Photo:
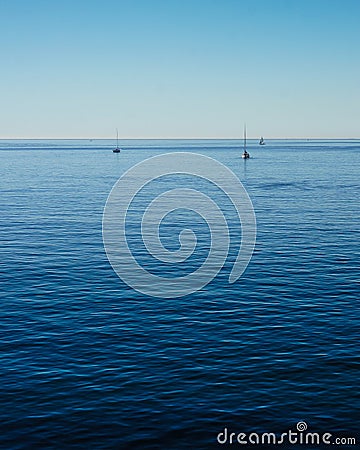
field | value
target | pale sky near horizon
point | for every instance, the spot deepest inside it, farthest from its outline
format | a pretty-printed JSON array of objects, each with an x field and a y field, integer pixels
[{"x": 179, "y": 68}]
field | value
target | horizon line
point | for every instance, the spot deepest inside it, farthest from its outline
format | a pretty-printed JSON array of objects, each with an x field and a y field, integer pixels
[{"x": 171, "y": 138}]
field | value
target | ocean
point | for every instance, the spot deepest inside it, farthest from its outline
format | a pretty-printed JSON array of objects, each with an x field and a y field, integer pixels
[{"x": 87, "y": 362}]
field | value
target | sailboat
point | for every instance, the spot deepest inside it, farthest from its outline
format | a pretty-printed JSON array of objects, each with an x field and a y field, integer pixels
[
  {"x": 117, "y": 149},
  {"x": 245, "y": 154},
  {"x": 261, "y": 142}
]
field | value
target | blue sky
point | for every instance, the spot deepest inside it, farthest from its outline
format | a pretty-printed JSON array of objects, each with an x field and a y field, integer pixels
[{"x": 179, "y": 68}]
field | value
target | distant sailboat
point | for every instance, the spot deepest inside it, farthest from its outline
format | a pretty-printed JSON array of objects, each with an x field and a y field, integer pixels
[
  {"x": 117, "y": 149},
  {"x": 245, "y": 154},
  {"x": 261, "y": 142}
]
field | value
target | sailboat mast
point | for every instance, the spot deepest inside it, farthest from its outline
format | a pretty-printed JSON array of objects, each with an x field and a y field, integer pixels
[
  {"x": 245, "y": 137},
  {"x": 117, "y": 138}
]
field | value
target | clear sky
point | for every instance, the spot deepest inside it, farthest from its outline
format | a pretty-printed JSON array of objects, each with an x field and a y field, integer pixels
[{"x": 179, "y": 68}]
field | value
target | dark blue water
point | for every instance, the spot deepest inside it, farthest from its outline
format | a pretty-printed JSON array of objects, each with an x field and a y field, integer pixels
[{"x": 88, "y": 363}]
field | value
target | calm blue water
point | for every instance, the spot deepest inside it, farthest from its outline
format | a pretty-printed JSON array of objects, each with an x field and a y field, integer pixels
[{"x": 88, "y": 363}]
